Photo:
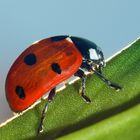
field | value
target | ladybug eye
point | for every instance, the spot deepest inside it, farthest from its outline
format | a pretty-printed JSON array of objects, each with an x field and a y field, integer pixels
[
  {"x": 20, "y": 92},
  {"x": 30, "y": 59},
  {"x": 56, "y": 68}
]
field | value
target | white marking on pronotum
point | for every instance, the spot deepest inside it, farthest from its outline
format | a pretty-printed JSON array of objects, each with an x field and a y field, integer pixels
[
  {"x": 93, "y": 54},
  {"x": 63, "y": 87}
]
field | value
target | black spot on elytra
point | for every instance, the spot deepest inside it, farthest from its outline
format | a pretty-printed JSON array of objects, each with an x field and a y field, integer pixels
[
  {"x": 56, "y": 68},
  {"x": 59, "y": 38},
  {"x": 30, "y": 59},
  {"x": 20, "y": 92}
]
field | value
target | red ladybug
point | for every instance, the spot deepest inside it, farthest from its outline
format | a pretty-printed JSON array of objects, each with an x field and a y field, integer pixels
[{"x": 47, "y": 63}]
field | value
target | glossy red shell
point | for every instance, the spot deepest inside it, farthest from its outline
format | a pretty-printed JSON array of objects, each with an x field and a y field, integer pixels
[{"x": 39, "y": 78}]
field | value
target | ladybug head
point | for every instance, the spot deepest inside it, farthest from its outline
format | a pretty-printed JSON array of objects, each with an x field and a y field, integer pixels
[{"x": 92, "y": 54}]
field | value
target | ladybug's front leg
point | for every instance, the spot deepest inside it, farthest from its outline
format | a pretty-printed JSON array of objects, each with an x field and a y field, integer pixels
[
  {"x": 108, "y": 82},
  {"x": 50, "y": 98},
  {"x": 99, "y": 69},
  {"x": 82, "y": 75}
]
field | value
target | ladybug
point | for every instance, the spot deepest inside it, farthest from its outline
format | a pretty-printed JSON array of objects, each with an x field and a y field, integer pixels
[{"x": 47, "y": 63}]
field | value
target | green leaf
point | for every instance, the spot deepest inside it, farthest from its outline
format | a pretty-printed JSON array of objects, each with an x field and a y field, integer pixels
[
  {"x": 111, "y": 115},
  {"x": 123, "y": 126}
]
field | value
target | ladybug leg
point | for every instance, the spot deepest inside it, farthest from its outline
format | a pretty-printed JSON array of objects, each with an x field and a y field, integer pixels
[
  {"x": 50, "y": 98},
  {"x": 82, "y": 90},
  {"x": 100, "y": 69},
  {"x": 108, "y": 82}
]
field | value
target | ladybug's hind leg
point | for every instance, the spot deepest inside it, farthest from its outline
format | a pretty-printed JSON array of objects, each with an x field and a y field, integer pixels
[
  {"x": 50, "y": 98},
  {"x": 80, "y": 73}
]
